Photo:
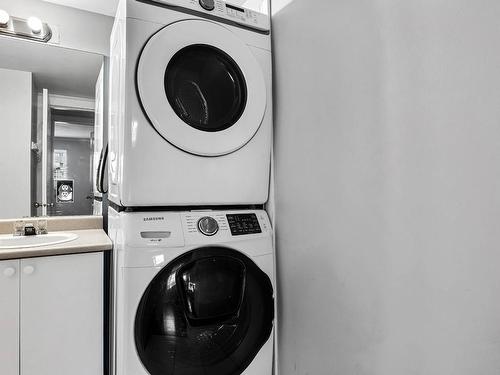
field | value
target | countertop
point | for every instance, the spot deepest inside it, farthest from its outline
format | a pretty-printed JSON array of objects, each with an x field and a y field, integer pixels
[
  {"x": 91, "y": 238},
  {"x": 88, "y": 241}
]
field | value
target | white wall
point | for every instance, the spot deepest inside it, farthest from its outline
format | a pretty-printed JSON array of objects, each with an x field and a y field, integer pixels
[
  {"x": 388, "y": 186},
  {"x": 15, "y": 143},
  {"x": 74, "y": 28}
]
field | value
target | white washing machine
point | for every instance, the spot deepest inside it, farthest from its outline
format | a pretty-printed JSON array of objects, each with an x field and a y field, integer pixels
[
  {"x": 194, "y": 293},
  {"x": 190, "y": 104}
]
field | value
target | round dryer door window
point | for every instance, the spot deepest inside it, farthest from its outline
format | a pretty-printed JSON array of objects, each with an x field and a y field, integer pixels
[
  {"x": 201, "y": 87},
  {"x": 209, "y": 311},
  {"x": 206, "y": 88}
]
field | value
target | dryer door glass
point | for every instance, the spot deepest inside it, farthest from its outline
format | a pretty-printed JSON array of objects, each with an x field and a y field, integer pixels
[
  {"x": 209, "y": 311},
  {"x": 205, "y": 87}
]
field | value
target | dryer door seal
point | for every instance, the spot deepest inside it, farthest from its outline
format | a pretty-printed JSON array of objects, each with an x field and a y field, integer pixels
[{"x": 201, "y": 87}]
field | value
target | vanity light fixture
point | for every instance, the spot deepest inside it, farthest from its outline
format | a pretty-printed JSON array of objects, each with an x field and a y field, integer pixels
[
  {"x": 35, "y": 24},
  {"x": 32, "y": 28},
  {"x": 4, "y": 18}
]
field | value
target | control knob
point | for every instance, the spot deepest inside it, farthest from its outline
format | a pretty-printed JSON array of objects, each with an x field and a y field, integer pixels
[
  {"x": 207, "y": 4},
  {"x": 208, "y": 226}
]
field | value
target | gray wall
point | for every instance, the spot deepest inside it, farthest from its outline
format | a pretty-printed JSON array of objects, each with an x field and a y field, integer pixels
[
  {"x": 15, "y": 143},
  {"x": 388, "y": 181}
]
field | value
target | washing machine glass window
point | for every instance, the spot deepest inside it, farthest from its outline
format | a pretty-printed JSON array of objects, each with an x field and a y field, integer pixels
[
  {"x": 205, "y": 87},
  {"x": 208, "y": 311}
]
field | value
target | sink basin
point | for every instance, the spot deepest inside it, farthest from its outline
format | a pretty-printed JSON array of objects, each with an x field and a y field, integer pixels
[{"x": 9, "y": 241}]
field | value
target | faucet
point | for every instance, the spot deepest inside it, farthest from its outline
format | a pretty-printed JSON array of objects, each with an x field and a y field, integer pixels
[{"x": 22, "y": 228}]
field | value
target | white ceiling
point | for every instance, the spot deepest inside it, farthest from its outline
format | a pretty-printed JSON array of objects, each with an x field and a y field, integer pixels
[
  {"x": 61, "y": 70},
  {"x": 107, "y": 7},
  {"x": 66, "y": 130}
]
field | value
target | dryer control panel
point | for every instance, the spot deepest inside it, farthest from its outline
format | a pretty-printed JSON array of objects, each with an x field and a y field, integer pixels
[{"x": 221, "y": 9}]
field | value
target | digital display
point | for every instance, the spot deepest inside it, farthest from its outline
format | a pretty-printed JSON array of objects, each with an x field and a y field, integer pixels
[
  {"x": 235, "y": 8},
  {"x": 241, "y": 224}
]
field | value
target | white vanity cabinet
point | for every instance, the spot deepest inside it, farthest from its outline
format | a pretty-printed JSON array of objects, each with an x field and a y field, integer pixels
[
  {"x": 9, "y": 317},
  {"x": 51, "y": 310}
]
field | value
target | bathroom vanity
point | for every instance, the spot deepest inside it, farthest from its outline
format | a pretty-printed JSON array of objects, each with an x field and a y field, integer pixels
[{"x": 52, "y": 301}]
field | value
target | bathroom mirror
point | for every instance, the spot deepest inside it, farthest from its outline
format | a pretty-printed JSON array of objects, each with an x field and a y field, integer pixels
[{"x": 51, "y": 105}]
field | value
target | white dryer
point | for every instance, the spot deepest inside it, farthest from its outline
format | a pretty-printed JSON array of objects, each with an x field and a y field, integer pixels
[
  {"x": 194, "y": 293},
  {"x": 190, "y": 104}
]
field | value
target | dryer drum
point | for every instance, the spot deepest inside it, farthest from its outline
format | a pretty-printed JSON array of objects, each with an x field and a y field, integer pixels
[
  {"x": 205, "y": 87},
  {"x": 208, "y": 311}
]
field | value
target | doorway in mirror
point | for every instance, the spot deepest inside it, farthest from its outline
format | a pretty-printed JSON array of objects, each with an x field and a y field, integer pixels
[{"x": 64, "y": 162}]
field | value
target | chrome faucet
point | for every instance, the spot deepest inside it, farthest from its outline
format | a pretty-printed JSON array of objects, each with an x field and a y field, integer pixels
[{"x": 22, "y": 228}]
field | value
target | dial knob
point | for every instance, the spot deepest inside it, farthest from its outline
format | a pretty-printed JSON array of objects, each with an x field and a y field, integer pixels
[
  {"x": 207, "y": 4},
  {"x": 208, "y": 226}
]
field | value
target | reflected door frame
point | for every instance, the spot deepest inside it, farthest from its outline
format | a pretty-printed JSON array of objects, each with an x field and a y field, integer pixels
[
  {"x": 45, "y": 156},
  {"x": 44, "y": 197}
]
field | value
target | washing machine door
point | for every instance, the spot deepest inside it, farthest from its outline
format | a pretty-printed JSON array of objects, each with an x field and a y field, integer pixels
[
  {"x": 207, "y": 312},
  {"x": 201, "y": 87}
]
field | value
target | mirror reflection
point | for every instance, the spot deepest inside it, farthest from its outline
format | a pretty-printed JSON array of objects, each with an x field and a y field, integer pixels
[{"x": 51, "y": 100}]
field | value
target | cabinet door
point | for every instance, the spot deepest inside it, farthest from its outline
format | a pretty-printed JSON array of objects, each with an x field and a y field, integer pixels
[
  {"x": 62, "y": 315},
  {"x": 9, "y": 317}
]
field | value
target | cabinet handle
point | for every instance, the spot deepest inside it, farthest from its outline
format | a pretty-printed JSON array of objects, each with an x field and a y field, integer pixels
[
  {"x": 28, "y": 270},
  {"x": 9, "y": 271}
]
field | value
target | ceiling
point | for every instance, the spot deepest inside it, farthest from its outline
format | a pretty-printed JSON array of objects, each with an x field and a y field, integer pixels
[
  {"x": 61, "y": 70},
  {"x": 68, "y": 130},
  {"x": 107, "y": 7}
]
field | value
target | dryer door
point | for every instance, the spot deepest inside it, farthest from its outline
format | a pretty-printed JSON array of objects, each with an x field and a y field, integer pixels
[
  {"x": 201, "y": 87},
  {"x": 207, "y": 312}
]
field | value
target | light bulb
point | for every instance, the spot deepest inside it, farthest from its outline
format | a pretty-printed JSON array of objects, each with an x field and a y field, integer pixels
[
  {"x": 4, "y": 18},
  {"x": 35, "y": 24}
]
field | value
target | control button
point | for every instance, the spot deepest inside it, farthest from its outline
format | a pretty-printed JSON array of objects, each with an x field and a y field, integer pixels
[
  {"x": 208, "y": 226},
  {"x": 207, "y": 4},
  {"x": 241, "y": 224}
]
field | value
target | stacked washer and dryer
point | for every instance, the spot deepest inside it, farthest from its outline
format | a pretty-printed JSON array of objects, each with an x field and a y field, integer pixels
[{"x": 189, "y": 158}]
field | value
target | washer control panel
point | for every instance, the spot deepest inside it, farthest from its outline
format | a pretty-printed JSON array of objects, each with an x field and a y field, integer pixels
[
  {"x": 241, "y": 224},
  {"x": 221, "y": 9},
  {"x": 145, "y": 230},
  {"x": 201, "y": 227}
]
